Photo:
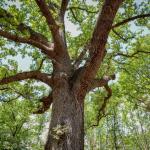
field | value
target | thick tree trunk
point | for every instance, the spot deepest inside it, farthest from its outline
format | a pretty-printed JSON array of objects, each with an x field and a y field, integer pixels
[{"x": 66, "y": 130}]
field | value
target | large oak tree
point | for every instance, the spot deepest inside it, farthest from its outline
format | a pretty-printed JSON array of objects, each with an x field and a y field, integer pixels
[{"x": 76, "y": 61}]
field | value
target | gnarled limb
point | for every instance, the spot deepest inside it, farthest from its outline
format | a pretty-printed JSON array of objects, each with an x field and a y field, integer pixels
[
  {"x": 130, "y": 19},
  {"x": 37, "y": 75},
  {"x": 46, "y": 103}
]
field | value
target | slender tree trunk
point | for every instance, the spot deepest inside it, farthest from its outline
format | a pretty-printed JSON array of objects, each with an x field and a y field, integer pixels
[
  {"x": 114, "y": 131},
  {"x": 66, "y": 130}
]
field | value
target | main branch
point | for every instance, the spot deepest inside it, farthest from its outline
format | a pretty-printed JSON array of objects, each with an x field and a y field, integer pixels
[
  {"x": 28, "y": 75},
  {"x": 44, "y": 49},
  {"x": 34, "y": 38},
  {"x": 60, "y": 46},
  {"x": 9, "y": 18},
  {"x": 98, "y": 42}
]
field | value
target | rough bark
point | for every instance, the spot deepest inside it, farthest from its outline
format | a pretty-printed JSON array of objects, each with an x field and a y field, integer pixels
[{"x": 66, "y": 131}]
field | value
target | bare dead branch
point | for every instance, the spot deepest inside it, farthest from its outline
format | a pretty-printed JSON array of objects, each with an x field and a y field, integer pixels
[
  {"x": 130, "y": 19},
  {"x": 37, "y": 75},
  {"x": 46, "y": 103}
]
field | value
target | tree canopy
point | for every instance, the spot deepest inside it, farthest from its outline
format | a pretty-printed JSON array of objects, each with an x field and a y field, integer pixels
[{"x": 38, "y": 38}]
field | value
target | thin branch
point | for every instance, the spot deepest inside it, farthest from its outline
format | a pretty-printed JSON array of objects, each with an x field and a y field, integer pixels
[
  {"x": 120, "y": 36},
  {"x": 101, "y": 82},
  {"x": 74, "y": 16},
  {"x": 46, "y": 103},
  {"x": 4, "y": 88},
  {"x": 19, "y": 94},
  {"x": 33, "y": 35},
  {"x": 46, "y": 50},
  {"x": 10, "y": 100},
  {"x": 41, "y": 64},
  {"x": 23, "y": 95},
  {"x": 84, "y": 9},
  {"x": 131, "y": 55},
  {"x": 43, "y": 77},
  {"x": 130, "y": 19}
]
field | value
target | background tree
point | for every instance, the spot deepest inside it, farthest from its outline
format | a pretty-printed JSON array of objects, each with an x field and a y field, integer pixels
[{"x": 70, "y": 67}]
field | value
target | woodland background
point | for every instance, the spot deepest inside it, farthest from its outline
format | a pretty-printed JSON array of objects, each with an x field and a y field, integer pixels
[{"x": 125, "y": 125}]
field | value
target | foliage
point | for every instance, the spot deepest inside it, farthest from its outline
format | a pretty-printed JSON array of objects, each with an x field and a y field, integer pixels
[{"x": 124, "y": 124}]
